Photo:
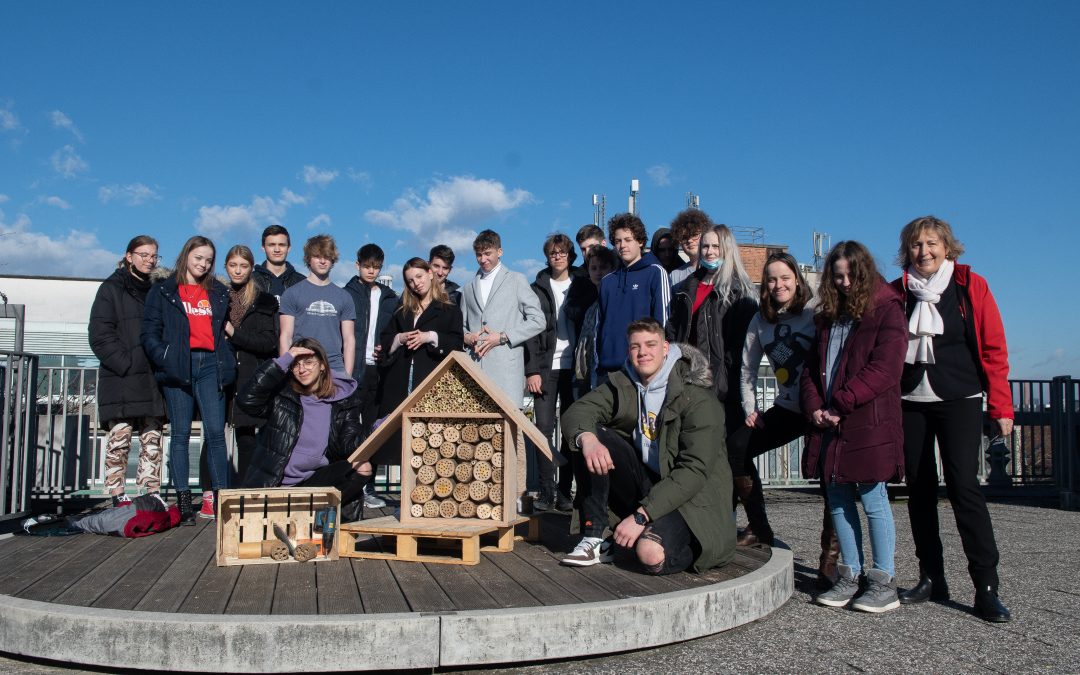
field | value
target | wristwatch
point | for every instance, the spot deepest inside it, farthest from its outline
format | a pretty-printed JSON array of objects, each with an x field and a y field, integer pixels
[
  {"x": 640, "y": 518},
  {"x": 503, "y": 340}
]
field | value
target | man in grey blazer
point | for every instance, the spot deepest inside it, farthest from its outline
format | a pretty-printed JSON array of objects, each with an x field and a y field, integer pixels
[{"x": 501, "y": 312}]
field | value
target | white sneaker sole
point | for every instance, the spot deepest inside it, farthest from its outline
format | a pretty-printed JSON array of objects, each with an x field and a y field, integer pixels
[
  {"x": 873, "y": 609},
  {"x": 833, "y": 603},
  {"x": 588, "y": 563}
]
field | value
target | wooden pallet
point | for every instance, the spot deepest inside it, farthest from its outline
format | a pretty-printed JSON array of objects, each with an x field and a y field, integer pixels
[{"x": 403, "y": 541}]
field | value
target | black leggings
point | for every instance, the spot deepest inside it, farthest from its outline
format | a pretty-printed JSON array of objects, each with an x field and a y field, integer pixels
[{"x": 745, "y": 443}]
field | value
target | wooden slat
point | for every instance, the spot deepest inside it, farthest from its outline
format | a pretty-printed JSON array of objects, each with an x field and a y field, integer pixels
[
  {"x": 504, "y": 590},
  {"x": 10, "y": 545},
  {"x": 130, "y": 589},
  {"x": 295, "y": 592},
  {"x": 420, "y": 589},
  {"x": 211, "y": 592},
  {"x": 379, "y": 591},
  {"x": 18, "y": 578},
  {"x": 33, "y": 549},
  {"x": 532, "y": 580},
  {"x": 119, "y": 567},
  {"x": 462, "y": 589},
  {"x": 253, "y": 592},
  {"x": 581, "y": 586},
  {"x": 429, "y": 528},
  {"x": 337, "y": 590},
  {"x": 176, "y": 581},
  {"x": 69, "y": 574}
]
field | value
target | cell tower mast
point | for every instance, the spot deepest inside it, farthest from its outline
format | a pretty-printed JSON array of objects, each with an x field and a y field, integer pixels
[
  {"x": 599, "y": 203},
  {"x": 634, "y": 186}
]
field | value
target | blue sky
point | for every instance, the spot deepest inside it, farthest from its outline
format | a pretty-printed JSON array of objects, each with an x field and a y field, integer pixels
[{"x": 409, "y": 124}]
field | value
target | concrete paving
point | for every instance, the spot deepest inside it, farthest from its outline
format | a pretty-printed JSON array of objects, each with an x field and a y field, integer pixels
[{"x": 1040, "y": 557}]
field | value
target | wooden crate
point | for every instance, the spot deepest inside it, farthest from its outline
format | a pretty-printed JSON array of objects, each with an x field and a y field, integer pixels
[
  {"x": 456, "y": 542},
  {"x": 248, "y": 516},
  {"x": 504, "y": 445}
]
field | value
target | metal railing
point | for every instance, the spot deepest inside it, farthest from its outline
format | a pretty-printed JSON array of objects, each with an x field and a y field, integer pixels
[
  {"x": 17, "y": 389},
  {"x": 54, "y": 448}
]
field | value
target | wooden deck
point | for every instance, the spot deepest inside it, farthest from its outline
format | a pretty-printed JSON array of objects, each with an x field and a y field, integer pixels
[{"x": 175, "y": 572}]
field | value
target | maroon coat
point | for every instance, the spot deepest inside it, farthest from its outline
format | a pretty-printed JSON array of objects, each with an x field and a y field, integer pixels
[{"x": 868, "y": 444}]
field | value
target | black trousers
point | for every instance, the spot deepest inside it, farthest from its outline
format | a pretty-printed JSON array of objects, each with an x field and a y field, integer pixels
[
  {"x": 558, "y": 392},
  {"x": 340, "y": 475},
  {"x": 957, "y": 427},
  {"x": 745, "y": 443},
  {"x": 622, "y": 490}
]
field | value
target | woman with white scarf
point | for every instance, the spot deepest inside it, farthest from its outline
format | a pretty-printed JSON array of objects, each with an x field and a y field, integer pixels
[{"x": 956, "y": 353}]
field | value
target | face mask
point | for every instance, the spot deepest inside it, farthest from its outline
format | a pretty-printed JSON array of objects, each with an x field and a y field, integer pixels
[{"x": 713, "y": 265}]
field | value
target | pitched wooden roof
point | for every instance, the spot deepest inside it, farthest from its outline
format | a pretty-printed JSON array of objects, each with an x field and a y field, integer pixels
[{"x": 392, "y": 424}]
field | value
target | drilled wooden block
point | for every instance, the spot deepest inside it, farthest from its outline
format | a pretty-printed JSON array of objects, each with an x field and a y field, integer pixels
[
  {"x": 421, "y": 494},
  {"x": 444, "y": 487},
  {"x": 463, "y": 472}
]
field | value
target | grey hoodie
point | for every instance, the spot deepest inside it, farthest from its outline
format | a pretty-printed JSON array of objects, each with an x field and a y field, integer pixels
[{"x": 650, "y": 400}]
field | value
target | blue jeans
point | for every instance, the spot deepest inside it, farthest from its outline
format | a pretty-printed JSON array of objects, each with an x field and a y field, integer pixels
[
  {"x": 180, "y": 403},
  {"x": 845, "y": 516}
]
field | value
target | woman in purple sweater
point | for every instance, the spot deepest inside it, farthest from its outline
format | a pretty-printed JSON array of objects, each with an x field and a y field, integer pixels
[
  {"x": 313, "y": 425},
  {"x": 850, "y": 392}
]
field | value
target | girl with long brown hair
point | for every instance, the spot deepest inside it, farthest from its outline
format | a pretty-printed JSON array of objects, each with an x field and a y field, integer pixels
[
  {"x": 183, "y": 333},
  {"x": 425, "y": 328},
  {"x": 850, "y": 392}
]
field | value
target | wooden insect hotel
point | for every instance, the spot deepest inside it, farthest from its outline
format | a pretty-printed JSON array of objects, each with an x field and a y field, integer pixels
[{"x": 462, "y": 460}]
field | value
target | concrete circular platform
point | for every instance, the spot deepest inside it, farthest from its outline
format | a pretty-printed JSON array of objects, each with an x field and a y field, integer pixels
[{"x": 265, "y": 644}]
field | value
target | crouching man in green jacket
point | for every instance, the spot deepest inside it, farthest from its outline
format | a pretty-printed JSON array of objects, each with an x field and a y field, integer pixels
[{"x": 650, "y": 449}]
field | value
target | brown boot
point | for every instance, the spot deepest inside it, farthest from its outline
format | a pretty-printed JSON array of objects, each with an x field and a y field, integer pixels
[
  {"x": 830, "y": 553},
  {"x": 758, "y": 530}
]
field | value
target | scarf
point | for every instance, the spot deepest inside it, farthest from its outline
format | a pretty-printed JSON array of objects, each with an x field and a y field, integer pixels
[
  {"x": 237, "y": 308},
  {"x": 925, "y": 321}
]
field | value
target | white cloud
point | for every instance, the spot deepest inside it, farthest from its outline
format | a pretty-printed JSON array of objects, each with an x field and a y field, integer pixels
[
  {"x": 529, "y": 266},
  {"x": 62, "y": 121},
  {"x": 4, "y": 198},
  {"x": 67, "y": 162},
  {"x": 132, "y": 194},
  {"x": 53, "y": 200},
  {"x": 320, "y": 221},
  {"x": 660, "y": 174},
  {"x": 9, "y": 121},
  {"x": 451, "y": 210},
  {"x": 289, "y": 197},
  {"x": 76, "y": 254},
  {"x": 215, "y": 221},
  {"x": 313, "y": 175},
  {"x": 363, "y": 178}
]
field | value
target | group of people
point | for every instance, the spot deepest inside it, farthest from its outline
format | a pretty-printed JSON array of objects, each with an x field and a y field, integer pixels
[{"x": 647, "y": 362}]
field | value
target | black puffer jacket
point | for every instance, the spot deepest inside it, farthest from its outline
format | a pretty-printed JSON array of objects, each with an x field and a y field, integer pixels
[
  {"x": 255, "y": 340},
  {"x": 126, "y": 385},
  {"x": 268, "y": 394},
  {"x": 719, "y": 332}
]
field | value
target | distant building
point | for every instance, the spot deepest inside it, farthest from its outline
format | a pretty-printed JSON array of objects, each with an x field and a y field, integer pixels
[{"x": 57, "y": 315}]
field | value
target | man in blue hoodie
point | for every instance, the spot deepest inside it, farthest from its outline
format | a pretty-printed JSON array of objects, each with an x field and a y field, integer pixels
[{"x": 638, "y": 289}]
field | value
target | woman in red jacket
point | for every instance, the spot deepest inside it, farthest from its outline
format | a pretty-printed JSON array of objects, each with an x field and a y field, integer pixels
[
  {"x": 955, "y": 352},
  {"x": 850, "y": 390}
]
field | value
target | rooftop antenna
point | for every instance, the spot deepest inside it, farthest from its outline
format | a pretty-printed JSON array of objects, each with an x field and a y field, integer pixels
[
  {"x": 822, "y": 244},
  {"x": 599, "y": 203},
  {"x": 634, "y": 186},
  {"x": 693, "y": 201}
]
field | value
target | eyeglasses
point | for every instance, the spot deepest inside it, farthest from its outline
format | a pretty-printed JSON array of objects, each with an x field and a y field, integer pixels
[
  {"x": 558, "y": 254},
  {"x": 147, "y": 256},
  {"x": 306, "y": 362}
]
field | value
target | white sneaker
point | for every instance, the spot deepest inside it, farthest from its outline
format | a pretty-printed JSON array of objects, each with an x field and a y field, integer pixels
[
  {"x": 590, "y": 551},
  {"x": 372, "y": 500}
]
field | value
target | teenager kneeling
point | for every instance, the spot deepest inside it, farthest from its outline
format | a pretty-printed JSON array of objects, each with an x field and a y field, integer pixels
[
  {"x": 652, "y": 440},
  {"x": 313, "y": 425}
]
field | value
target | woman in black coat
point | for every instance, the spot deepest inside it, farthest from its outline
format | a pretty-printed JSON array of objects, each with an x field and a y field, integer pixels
[
  {"x": 424, "y": 329},
  {"x": 252, "y": 330},
  {"x": 128, "y": 396},
  {"x": 312, "y": 425}
]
